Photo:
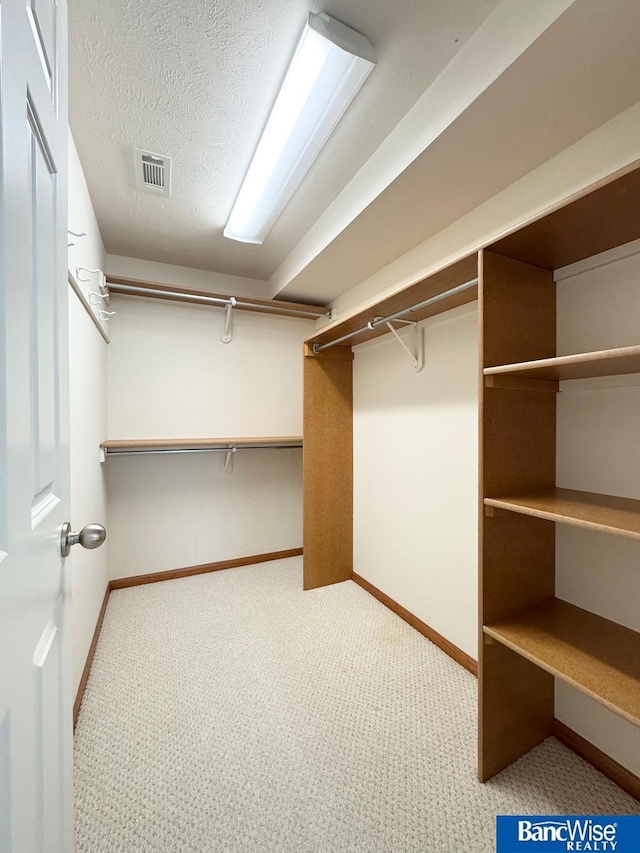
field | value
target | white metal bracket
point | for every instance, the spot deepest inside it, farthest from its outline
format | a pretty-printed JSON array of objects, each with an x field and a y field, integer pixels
[
  {"x": 226, "y": 333},
  {"x": 101, "y": 296},
  {"x": 416, "y": 352},
  {"x": 227, "y": 460},
  {"x": 75, "y": 234},
  {"x": 101, "y": 280}
]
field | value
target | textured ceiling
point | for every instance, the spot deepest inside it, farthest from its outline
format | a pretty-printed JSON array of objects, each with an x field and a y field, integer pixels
[{"x": 195, "y": 80}]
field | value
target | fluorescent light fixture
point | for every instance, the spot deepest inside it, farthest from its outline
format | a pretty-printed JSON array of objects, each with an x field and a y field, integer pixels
[{"x": 330, "y": 64}]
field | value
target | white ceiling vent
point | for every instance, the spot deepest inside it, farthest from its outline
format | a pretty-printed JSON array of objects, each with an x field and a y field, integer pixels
[{"x": 153, "y": 172}]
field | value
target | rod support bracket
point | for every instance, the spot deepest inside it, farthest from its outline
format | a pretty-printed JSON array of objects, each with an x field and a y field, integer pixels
[
  {"x": 227, "y": 460},
  {"x": 397, "y": 317},
  {"x": 416, "y": 351},
  {"x": 226, "y": 332}
]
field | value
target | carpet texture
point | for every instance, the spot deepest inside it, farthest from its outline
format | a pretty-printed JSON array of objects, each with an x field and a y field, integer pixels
[{"x": 233, "y": 712}]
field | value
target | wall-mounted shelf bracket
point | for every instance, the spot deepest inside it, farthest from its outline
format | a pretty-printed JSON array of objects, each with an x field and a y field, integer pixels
[
  {"x": 227, "y": 460},
  {"x": 101, "y": 278},
  {"x": 226, "y": 333},
  {"x": 101, "y": 296},
  {"x": 416, "y": 350}
]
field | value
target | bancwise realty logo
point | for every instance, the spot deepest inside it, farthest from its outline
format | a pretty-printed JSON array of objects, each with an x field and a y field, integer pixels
[{"x": 610, "y": 834}]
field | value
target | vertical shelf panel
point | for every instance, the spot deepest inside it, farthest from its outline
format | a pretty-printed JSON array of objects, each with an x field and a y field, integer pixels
[
  {"x": 519, "y": 441},
  {"x": 328, "y": 466},
  {"x": 518, "y": 311},
  {"x": 516, "y": 711},
  {"x": 517, "y": 560},
  {"x": 517, "y": 551}
]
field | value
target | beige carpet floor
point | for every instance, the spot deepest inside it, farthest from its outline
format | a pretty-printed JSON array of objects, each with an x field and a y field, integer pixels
[{"x": 233, "y": 712}]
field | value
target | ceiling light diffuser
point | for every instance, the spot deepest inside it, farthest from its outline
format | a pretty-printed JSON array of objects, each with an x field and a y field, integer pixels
[{"x": 330, "y": 64}]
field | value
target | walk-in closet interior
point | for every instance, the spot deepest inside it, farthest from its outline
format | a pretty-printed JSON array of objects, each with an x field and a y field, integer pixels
[
  {"x": 544, "y": 316},
  {"x": 375, "y": 475}
]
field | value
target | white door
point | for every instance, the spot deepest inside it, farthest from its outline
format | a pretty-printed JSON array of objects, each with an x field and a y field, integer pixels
[{"x": 36, "y": 807}]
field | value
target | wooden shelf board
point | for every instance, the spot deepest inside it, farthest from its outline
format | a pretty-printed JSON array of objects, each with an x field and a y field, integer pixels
[
  {"x": 177, "y": 293},
  {"x": 594, "y": 655},
  {"x": 89, "y": 308},
  {"x": 609, "y": 514},
  {"x": 609, "y": 362},
  {"x": 121, "y": 445},
  {"x": 598, "y": 218}
]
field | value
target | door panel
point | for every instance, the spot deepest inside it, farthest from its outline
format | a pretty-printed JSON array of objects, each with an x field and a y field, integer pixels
[
  {"x": 49, "y": 683},
  {"x": 5, "y": 782},
  {"x": 42, "y": 18},
  {"x": 36, "y": 808},
  {"x": 42, "y": 179}
]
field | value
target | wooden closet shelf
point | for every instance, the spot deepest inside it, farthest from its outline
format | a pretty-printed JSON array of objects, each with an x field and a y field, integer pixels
[
  {"x": 607, "y": 513},
  {"x": 595, "y": 655},
  {"x": 115, "y": 446},
  {"x": 124, "y": 286},
  {"x": 438, "y": 282},
  {"x": 608, "y": 362}
]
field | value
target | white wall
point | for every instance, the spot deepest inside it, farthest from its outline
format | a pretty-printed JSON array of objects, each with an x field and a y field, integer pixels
[
  {"x": 187, "y": 277},
  {"x": 597, "y": 451},
  {"x": 416, "y": 474},
  {"x": 87, "y": 251},
  {"x": 168, "y": 512},
  {"x": 88, "y": 416},
  {"x": 169, "y": 376}
]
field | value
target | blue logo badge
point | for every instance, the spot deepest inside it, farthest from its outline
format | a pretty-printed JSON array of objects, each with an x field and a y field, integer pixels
[{"x": 594, "y": 833}]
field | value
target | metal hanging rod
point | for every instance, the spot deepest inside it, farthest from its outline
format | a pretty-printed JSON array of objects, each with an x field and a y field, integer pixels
[
  {"x": 214, "y": 300},
  {"x": 200, "y": 449},
  {"x": 381, "y": 321},
  {"x": 229, "y": 450},
  {"x": 161, "y": 452},
  {"x": 109, "y": 451}
]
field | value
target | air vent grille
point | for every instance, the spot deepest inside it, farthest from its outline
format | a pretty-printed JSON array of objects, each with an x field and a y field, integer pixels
[{"x": 153, "y": 172}]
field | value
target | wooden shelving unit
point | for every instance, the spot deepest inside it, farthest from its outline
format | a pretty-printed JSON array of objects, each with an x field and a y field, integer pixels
[
  {"x": 594, "y": 655},
  {"x": 527, "y": 636},
  {"x": 609, "y": 514},
  {"x": 610, "y": 362},
  {"x": 518, "y": 456},
  {"x": 520, "y": 504}
]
